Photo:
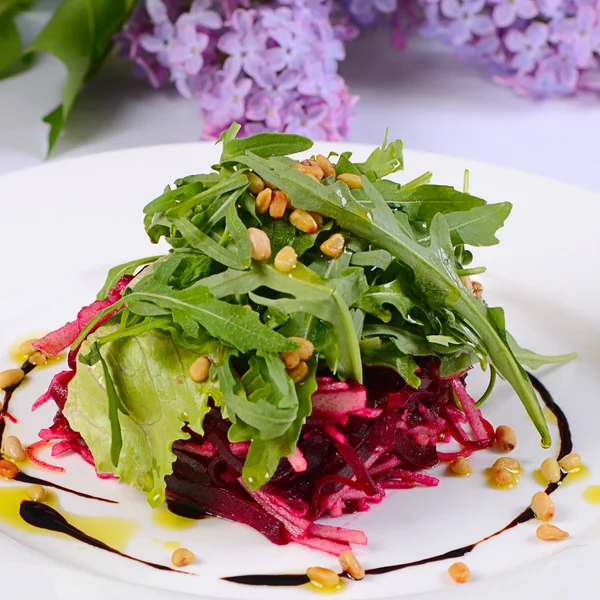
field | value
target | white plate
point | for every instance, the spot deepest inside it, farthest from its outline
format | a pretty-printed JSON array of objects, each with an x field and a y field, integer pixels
[{"x": 65, "y": 223}]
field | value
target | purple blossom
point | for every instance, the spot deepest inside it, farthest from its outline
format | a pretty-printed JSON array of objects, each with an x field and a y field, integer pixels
[
  {"x": 318, "y": 82},
  {"x": 268, "y": 107},
  {"x": 227, "y": 101},
  {"x": 202, "y": 15},
  {"x": 528, "y": 46},
  {"x": 467, "y": 20},
  {"x": 367, "y": 11},
  {"x": 186, "y": 50},
  {"x": 582, "y": 34},
  {"x": 506, "y": 12},
  {"x": 308, "y": 121}
]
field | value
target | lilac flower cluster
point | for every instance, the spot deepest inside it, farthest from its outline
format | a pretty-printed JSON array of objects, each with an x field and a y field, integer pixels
[
  {"x": 539, "y": 48},
  {"x": 269, "y": 66}
]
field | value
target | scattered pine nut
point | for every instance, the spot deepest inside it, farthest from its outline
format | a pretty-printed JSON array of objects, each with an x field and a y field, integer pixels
[
  {"x": 11, "y": 377},
  {"x": 286, "y": 260},
  {"x": 460, "y": 466},
  {"x": 182, "y": 557},
  {"x": 257, "y": 185},
  {"x": 13, "y": 449},
  {"x": 318, "y": 218},
  {"x": 511, "y": 464},
  {"x": 477, "y": 289},
  {"x": 502, "y": 477},
  {"x": 306, "y": 349},
  {"x": 279, "y": 204},
  {"x": 199, "y": 369},
  {"x": 570, "y": 462},
  {"x": 314, "y": 170},
  {"x": 37, "y": 493},
  {"x": 302, "y": 220},
  {"x": 299, "y": 372},
  {"x": 260, "y": 243},
  {"x": 26, "y": 348},
  {"x": 351, "y": 565},
  {"x": 323, "y": 578},
  {"x": 291, "y": 359},
  {"x": 506, "y": 439},
  {"x": 459, "y": 572},
  {"x": 325, "y": 164},
  {"x": 467, "y": 283},
  {"x": 354, "y": 182},
  {"x": 550, "y": 533},
  {"x": 542, "y": 506},
  {"x": 8, "y": 470},
  {"x": 247, "y": 307},
  {"x": 263, "y": 201},
  {"x": 38, "y": 358},
  {"x": 550, "y": 470},
  {"x": 333, "y": 246}
]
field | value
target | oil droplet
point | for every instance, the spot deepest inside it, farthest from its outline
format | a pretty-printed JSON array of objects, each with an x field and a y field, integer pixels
[
  {"x": 537, "y": 475},
  {"x": 323, "y": 590},
  {"x": 550, "y": 417},
  {"x": 576, "y": 475},
  {"x": 164, "y": 518},
  {"x": 113, "y": 531},
  {"x": 170, "y": 546},
  {"x": 592, "y": 494},
  {"x": 17, "y": 356}
]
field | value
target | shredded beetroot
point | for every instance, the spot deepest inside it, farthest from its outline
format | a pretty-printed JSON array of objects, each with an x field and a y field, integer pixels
[
  {"x": 31, "y": 453},
  {"x": 8, "y": 416}
]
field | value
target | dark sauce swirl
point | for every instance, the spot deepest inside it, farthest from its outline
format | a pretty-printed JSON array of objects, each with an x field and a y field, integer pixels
[{"x": 566, "y": 446}]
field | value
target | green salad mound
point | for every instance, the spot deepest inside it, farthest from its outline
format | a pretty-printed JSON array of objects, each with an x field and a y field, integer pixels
[{"x": 379, "y": 275}]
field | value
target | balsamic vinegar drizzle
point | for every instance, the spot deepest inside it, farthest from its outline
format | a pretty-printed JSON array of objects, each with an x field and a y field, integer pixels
[
  {"x": 43, "y": 516},
  {"x": 566, "y": 446},
  {"x": 27, "y": 367}
]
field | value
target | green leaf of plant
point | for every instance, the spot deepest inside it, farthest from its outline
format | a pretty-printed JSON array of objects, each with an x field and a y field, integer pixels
[
  {"x": 534, "y": 360},
  {"x": 373, "y": 300},
  {"x": 384, "y": 160},
  {"x": 477, "y": 227},
  {"x": 378, "y": 259},
  {"x": 120, "y": 270},
  {"x": 239, "y": 234},
  {"x": 266, "y": 145},
  {"x": 378, "y": 353},
  {"x": 80, "y": 34},
  {"x": 150, "y": 377}
]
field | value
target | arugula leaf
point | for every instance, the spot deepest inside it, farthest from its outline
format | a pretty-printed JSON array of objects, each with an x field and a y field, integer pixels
[
  {"x": 384, "y": 160},
  {"x": 119, "y": 271},
  {"x": 10, "y": 40},
  {"x": 378, "y": 353},
  {"x": 80, "y": 34},
  {"x": 534, "y": 360},
  {"x": 266, "y": 145},
  {"x": 373, "y": 300},
  {"x": 477, "y": 226},
  {"x": 406, "y": 341},
  {"x": 239, "y": 234},
  {"x": 378, "y": 259}
]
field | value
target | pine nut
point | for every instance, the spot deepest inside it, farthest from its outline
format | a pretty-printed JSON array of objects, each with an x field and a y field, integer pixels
[
  {"x": 351, "y": 565},
  {"x": 511, "y": 464},
  {"x": 460, "y": 466},
  {"x": 506, "y": 439},
  {"x": 37, "y": 493},
  {"x": 570, "y": 462},
  {"x": 247, "y": 307},
  {"x": 311, "y": 169},
  {"x": 38, "y": 358},
  {"x": 333, "y": 246},
  {"x": 550, "y": 533},
  {"x": 542, "y": 506},
  {"x": 550, "y": 470},
  {"x": 199, "y": 369},
  {"x": 477, "y": 289},
  {"x": 26, "y": 348},
  {"x": 326, "y": 165},
  {"x": 502, "y": 477},
  {"x": 182, "y": 557},
  {"x": 13, "y": 449},
  {"x": 323, "y": 578},
  {"x": 318, "y": 218},
  {"x": 291, "y": 359},
  {"x": 467, "y": 283},
  {"x": 261, "y": 245},
  {"x": 263, "y": 201},
  {"x": 306, "y": 347},
  {"x": 302, "y": 220},
  {"x": 279, "y": 204},
  {"x": 8, "y": 470},
  {"x": 257, "y": 185},
  {"x": 299, "y": 372},
  {"x": 286, "y": 260},
  {"x": 354, "y": 182},
  {"x": 269, "y": 185},
  {"x": 10, "y": 377},
  {"x": 459, "y": 572}
]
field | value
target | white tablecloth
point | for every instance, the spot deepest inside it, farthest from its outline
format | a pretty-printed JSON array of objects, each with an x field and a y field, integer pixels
[{"x": 424, "y": 95}]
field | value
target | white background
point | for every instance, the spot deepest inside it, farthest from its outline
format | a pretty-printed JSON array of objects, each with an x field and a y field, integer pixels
[{"x": 424, "y": 95}]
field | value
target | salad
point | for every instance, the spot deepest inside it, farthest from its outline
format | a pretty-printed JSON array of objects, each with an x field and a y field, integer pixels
[{"x": 301, "y": 348}]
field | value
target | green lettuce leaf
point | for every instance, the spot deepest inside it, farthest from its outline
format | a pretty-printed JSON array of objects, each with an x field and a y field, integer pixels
[{"x": 150, "y": 375}]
